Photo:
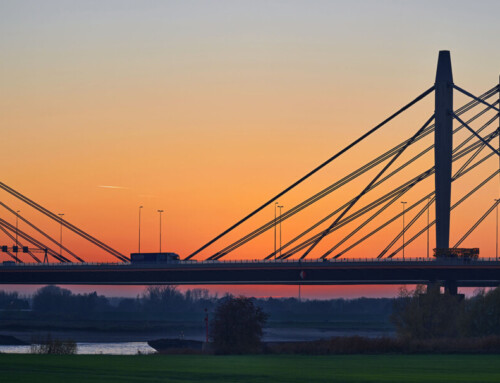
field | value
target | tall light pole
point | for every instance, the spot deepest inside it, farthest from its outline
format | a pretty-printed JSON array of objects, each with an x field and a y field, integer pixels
[
  {"x": 160, "y": 211},
  {"x": 280, "y": 207},
  {"x": 275, "y": 205},
  {"x": 17, "y": 223},
  {"x": 428, "y": 223},
  {"x": 139, "y": 249},
  {"x": 60, "y": 233},
  {"x": 496, "y": 257},
  {"x": 403, "y": 203}
]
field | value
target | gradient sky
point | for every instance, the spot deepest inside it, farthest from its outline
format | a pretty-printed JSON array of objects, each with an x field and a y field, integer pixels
[{"x": 206, "y": 109}]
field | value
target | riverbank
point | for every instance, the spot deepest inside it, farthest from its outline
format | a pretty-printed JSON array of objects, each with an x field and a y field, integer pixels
[
  {"x": 195, "y": 333},
  {"x": 261, "y": 368}
]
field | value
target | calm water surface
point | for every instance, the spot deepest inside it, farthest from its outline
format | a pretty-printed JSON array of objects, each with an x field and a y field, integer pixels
[
  {"x": 118, "y": 348},
  {"x": 134, "y": 347}
]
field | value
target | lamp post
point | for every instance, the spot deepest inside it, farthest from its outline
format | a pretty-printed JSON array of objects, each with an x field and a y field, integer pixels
[
  {"x": 60, "y": 233},
  {"x": 139, "y": 249},
  {"x": 160, "y": 211},
  {"x": 280, "y": 207},
  {"x": 496, "y": 256},
  {"x": 403, "y": 203},
  {"x": 17, "y": 223},
  {"x": 275, "y": 205},
  {"x": 428, "y": 224}
]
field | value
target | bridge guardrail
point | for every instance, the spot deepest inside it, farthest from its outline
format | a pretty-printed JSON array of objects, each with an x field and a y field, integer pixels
[{"x": 271, "y": 261}]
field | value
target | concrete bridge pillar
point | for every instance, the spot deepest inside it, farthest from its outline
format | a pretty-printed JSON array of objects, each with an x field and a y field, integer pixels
[{"x": 450, "y": 287}]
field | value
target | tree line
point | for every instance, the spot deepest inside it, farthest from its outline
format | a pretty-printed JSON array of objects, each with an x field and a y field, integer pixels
[
  {"x": 428, "y": 314},
  {"x": 166, "y": 300}
]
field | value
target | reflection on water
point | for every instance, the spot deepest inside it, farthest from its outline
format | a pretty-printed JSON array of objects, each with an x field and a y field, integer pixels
[{"x": 121, "y": 348}]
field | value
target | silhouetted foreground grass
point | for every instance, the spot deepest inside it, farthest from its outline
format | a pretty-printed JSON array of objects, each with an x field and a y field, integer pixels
[{"x": 261, "y": 368}]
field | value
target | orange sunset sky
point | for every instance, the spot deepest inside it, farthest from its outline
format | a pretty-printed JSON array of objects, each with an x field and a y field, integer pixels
[{"x": 208, "y": 109}]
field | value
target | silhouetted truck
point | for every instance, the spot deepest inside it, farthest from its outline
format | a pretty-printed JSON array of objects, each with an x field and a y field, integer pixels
[
  {"x": 461, "y": 253},
  {"x": 154, "y": 258}
]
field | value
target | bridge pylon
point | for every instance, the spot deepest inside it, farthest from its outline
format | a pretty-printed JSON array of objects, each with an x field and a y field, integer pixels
[{"x": 443, "y": 137}]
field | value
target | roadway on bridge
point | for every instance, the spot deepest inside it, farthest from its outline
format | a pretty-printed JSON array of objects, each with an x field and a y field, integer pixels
[{"x": 482, "y": 272}]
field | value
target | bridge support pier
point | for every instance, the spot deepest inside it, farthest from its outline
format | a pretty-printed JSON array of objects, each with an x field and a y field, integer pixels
[{"x": 450, "y": 287}]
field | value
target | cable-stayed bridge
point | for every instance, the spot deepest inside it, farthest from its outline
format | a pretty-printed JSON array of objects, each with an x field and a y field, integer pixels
[{"x": 314, "y": 255}]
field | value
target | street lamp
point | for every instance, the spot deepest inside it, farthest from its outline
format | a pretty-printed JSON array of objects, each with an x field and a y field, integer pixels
[
  {"x": 160, "y": 211},
  {"x": 139, "y": 250},
  {"x": 60, "y": 234},
  {"x": 17, "y": 223},
  {"x": 496, "y": 257},
  {"x": 275, "y": 205},
  {"x": 403, "y": 203},
  {"x": 428, "y": 223},
  {"x": 280, "y": 207}
]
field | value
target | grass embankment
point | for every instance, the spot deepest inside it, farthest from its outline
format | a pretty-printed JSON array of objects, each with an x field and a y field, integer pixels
[{"x": 264, "y": 368}]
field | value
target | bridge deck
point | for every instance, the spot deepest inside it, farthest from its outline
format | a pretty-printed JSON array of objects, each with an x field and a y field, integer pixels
[{"x": 482, "y": 272}]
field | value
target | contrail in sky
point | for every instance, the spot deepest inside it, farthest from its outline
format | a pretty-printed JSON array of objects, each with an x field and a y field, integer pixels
[{"x": 112, "y": 187}]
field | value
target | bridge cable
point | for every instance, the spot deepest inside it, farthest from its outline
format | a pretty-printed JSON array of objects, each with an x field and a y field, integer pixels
[
  {"x": 478, "y": 99},
  {"x": 477, "y": 223},
  {"x": 65, "y": 223},
  {"x": 396, "y": 192},
  {"x": 430, "y": 201},
  {"x": 42, "y": 232},
  {"x": 422, "y": 176},
  {"x": 32, "y": 240},
  {"x": 333, "y": 224},
  {"x": 476, "y": 134},
  {"x": 365, "y": 190},
  {"x": 458, "y": 172},
  {"x": 461, "y": 154},
  {"x": 16, "y": 258},
  {"x": 397, "y": 216},
  {"x": 338, "y": 154},
  {"x": 493, "y": 175},
  {"x": 371, "y": 218},
  {"x": 377, "y": 202},
  {"x": 345, "y": 180}
]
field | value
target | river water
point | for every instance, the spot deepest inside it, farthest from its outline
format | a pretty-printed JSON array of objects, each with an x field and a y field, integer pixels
[
  {"x": 128, "y": 344},
  {"x": 116, "y": 348}
]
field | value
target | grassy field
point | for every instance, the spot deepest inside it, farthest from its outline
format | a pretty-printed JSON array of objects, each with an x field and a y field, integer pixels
[{"x": 262, "y": 368}]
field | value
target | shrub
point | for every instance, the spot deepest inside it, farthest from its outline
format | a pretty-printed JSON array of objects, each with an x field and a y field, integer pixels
[
  {"x": 237, "y": 327},
  {"x": 426, "y": 315},
  {"x": 49, "y": 345}
]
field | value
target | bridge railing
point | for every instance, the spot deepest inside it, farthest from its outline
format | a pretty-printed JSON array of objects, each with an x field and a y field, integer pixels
[{"x": 270, "y": 262}]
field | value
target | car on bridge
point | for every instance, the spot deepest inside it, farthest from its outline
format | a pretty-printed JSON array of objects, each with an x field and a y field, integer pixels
[
  {"x": 456, "y": 252},
  {"x": 8, "y": 263},
  {"x": 154, "y": 258}
]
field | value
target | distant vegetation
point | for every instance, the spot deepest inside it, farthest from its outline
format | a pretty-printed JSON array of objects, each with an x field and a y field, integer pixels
[
  {"x": 424, "y": 320},
  {"x": 421, "y": 314},
  {"x": 416, "y": 314},
  {"x": 55, "y": 307},
  {"x": 12, "y": 301}
]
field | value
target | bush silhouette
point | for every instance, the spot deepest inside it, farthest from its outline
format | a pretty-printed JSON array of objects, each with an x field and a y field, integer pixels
[{"x": 237, "y": 326}]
